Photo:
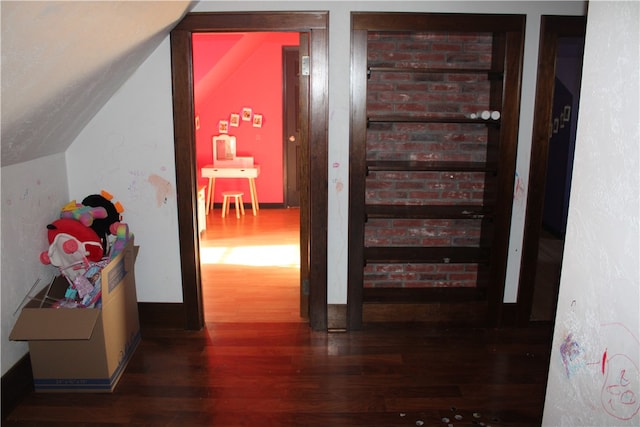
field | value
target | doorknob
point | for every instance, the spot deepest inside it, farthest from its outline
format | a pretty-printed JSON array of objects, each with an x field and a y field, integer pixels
[{"x": 292, "y": 138}]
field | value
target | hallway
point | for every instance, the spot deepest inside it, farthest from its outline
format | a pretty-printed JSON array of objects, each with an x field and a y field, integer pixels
[
  {"x": 282, "y": 374},
  {"x": 258, "y": 364}
]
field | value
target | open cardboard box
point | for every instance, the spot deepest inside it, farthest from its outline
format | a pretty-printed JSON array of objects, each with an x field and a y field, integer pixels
[{"x": 83, "y": 349}]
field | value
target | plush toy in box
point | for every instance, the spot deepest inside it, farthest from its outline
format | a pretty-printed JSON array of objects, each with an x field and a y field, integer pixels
[{"x": 81, "y": 242}]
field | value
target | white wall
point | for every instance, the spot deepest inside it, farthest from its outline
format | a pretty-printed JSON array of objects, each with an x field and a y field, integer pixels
[
  {"x": 594, "y": 377},
  {"x": 339, "y": 60},
  {"x": 32, "y": 195},
  {"x": 127, "y": 149},
  {"x": 137, "y": 121}
]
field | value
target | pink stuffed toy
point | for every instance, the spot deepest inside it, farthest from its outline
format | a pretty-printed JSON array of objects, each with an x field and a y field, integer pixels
[{"x": 82, "y": 213}]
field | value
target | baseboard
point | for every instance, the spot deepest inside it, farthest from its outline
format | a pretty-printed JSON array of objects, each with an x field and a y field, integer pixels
[
  {"x": 337, "y": 317},
  {"x": 247, "y": 206},
  {"x": 17, "y": 384},
  {"x": 166, "y": 315},
  {"x": 509, "y": 315}
]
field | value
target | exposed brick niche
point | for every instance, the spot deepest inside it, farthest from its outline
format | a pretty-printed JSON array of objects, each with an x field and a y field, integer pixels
[{"x": 446, "y": 94}]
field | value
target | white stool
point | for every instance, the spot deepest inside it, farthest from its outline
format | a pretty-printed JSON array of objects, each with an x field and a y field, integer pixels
[{"x": 237, "y": 195}]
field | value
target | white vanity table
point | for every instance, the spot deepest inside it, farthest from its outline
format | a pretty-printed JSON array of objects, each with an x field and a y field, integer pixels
[
  {"x": 251, "y": 173},
  {"x": 227, "y": 165}
]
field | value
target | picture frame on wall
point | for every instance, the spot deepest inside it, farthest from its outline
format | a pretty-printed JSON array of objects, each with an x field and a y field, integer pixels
[
  {"x": 223, "y": 126},
  {"x": 257, "y": 120},
  {"x": 246, "y": 114},
  {"x": 234, "y": 120}
]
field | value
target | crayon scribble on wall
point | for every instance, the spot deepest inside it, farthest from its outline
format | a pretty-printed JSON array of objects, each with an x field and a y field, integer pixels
[
  {"x": 570, "y": 352},
  {"x": 617, "y": 364}
]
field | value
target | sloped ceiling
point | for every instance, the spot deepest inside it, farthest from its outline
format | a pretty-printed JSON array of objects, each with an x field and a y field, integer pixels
[{"x": 62, "y": 60}]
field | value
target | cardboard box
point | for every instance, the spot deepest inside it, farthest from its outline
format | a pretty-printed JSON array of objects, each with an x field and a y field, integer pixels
[{"x": 83, "y": 349}]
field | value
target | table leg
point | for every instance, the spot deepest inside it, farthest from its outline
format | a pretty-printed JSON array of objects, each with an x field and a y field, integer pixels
[
  {"x": 254, "y": 196},
  {"x": 225, "y": 204},
  {"x": 210, "y": 193}
]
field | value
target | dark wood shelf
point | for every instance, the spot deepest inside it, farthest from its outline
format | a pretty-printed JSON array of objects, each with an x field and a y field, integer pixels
[
  {"x": 431, "y": 119},
  {"x": 378, "y": 163},
  {"x": 429, "y": 166},
  {"x": 493, "y": 75},
  {"x": 428, "y": 212},
  {"x": 422, "y": 295},
  {"x": 426, "y": 254}
]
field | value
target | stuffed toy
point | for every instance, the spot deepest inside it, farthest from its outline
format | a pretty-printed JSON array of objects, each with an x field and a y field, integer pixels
[
  {"x": 68, "y": 254},
  {"x": 121, "y": 232},
  {"x": 85, "y": 214},
  {"x": 102, "y": 225},
  {"x": 88, "y": 241}
]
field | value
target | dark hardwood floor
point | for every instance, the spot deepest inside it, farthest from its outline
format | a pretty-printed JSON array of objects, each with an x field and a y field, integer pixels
[{"x": 258, "y": 364}]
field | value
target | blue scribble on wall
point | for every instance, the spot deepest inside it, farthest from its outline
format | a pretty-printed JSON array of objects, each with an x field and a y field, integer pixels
[{"x": 570, "y": 352}]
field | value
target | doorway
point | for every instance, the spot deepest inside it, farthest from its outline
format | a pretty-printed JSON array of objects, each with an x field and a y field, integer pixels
[
  {"x": 313, "y": 205},
  {"x": 250, "y": 265},
  {"x": 557, "y": 98}
]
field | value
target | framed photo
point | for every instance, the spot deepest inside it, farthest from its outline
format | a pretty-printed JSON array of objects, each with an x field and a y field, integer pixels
[
  {"x": 234, "y": 120},
  {"x": 566, "y": 114},
  {"x": 223, "y": 126},
  {"x": 257, "y": 120},
  {"x": 246, "y": 114},
  {"x": 197, "y": 122}
]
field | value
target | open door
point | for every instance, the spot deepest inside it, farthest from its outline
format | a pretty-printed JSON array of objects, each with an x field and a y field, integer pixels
[
  {"x": 291, "y": 125},
  {"x": 545, "y": 122},
  {"x": 303, "y": 172}
]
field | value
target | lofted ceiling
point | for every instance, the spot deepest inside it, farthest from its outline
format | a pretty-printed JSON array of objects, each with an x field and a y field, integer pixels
[{"x": 63, "y": 60}]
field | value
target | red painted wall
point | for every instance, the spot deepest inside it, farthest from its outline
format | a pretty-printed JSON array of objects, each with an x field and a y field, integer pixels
[{"x": 232, "y": 72}]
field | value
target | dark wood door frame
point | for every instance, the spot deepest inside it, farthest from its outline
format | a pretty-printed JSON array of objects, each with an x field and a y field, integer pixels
[
  {"x": 316, "y": 25},
  {"x": 552, "y": 27}
]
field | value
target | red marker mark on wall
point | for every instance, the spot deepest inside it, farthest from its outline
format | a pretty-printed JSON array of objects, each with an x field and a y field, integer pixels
[{"x": 604, "y": 360}]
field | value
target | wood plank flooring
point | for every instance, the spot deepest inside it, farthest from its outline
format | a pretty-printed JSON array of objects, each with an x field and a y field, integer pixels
[
  {"x": 258, "y": 364},
  {"x": 251, "y": 267}
]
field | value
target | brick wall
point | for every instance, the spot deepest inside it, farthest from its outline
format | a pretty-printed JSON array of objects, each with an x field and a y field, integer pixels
[{"x": 415, "y": 94}]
